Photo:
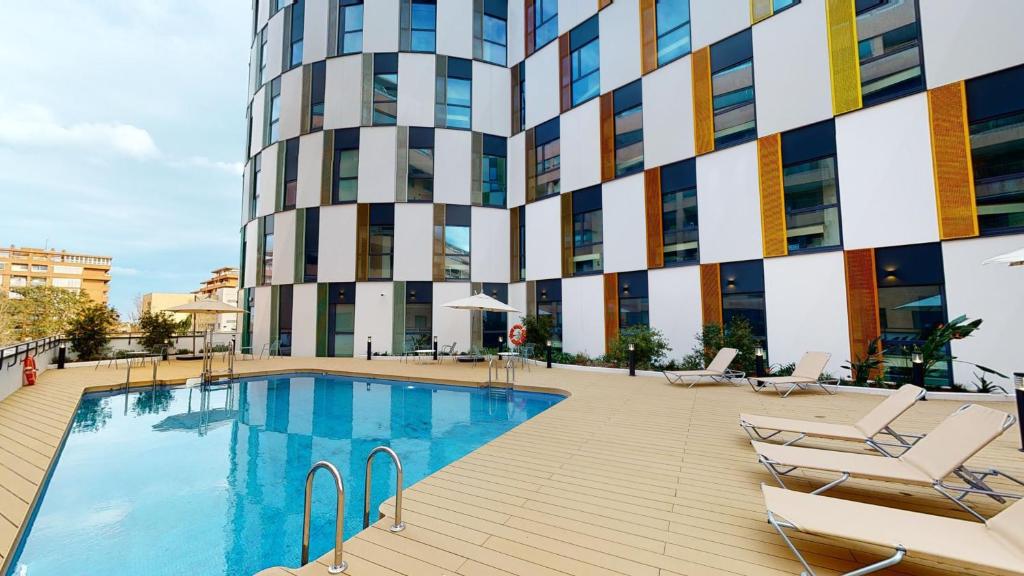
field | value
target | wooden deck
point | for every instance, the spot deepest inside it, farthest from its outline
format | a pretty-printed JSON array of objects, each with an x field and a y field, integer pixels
[{"x": 629, "y": 476}]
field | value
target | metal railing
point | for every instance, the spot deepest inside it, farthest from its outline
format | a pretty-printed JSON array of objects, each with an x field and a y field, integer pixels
[
  {"x": 398, "y": 525},
  {"x": 10, "y": 356},
  {"x": 339, "y": 565},
  {"x": 493, "y": 368}
]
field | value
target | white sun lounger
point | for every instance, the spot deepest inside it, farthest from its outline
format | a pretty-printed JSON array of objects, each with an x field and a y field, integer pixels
[
  {"x": 940, "y": 454},
  {"x": 804, "y": 376},
  {"x": 717, "y": 371},
  {"x": 997, "y": 544},
  {"x": 878, "y": 421}
]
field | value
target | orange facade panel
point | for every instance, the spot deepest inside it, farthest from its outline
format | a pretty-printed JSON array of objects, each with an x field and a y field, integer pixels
[
  {"x": 951, "y": 161},
  {"x": 759, "y": 10},
  {"x": 362, "y": 242},
  {"x": 567, "y": 235},
  {"x": 602, "y": 4},
  {"x": 703, "y": 111},
  {"x": 611, "y": 309},
  {"x": 773, "y": 202},
  {"x": 607, "y": 136},
  {"x": 648, "y": 36},
  {"x": 653, "y": 212},
  {"x": 711, "y": 294},
  {"x": 861, "y": 300},
  {"x": 843, "y": 55},
  {"x": 565, "y": 72},
  {"x": 529, "y": 26}
]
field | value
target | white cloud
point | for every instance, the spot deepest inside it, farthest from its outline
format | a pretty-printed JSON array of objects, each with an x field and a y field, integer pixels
[
  {"x": 232, "y": 168},
  {"x": 124, "y": 271},
  {"x": 35, "y": 125}
]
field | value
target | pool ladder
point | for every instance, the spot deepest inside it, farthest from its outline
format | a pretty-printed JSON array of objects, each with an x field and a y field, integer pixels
[
  {"x": 493, "y": 368},
  {"x": 339, "y": 565}
]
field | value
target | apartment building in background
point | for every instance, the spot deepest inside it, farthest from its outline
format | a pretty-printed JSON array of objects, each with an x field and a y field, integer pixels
[
  {"x": 831, "y": 171},
  {"x": 222, "y": 285},
  {"x": 22, "y": 267}
]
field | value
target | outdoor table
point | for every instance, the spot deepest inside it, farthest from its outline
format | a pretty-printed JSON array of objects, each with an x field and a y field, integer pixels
[{"x": 424, "y": 352}]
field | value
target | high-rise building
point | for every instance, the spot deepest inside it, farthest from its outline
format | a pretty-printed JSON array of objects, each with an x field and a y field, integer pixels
[
  {"x": 831, "y": 171},
  {"x": 222, "y": 286},
  {"x": 21, "y": 267}
]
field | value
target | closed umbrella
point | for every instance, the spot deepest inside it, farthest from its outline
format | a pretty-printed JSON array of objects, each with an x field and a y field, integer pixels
[
  {"x": 205, "y": 306},
  {"x": 480, "y": 302},
  {"x": 1015, "y": 258}
]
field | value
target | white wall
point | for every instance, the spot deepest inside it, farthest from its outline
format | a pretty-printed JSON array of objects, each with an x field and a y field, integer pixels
[
  {"x": 517, "y": 300},
  {"x": 251, "y": 251},
  {"x": 673, "y": 295},
  {"x": 489, "y": 245},
  {"x": 284, "y": 248},
  {"x": 374, "y": 315},
  {"x": 256, "y": 143},
  {"x": 268, "y": 179},
  {"x": 516, "y": 35},
  {"x": 805, "y": 305},
  {"x": 991, "y": 292},
  {"x": 380, "y": 26},
  {"x": 625, "y": 224},
  {"x": 314, "y": 30},
  {"x": 304, "y": 320},
  {"x": 713, "y": 20},
  {"x": 291, "y": 103},
  {"x": 885, "y": 174},
  {"x": 581, "y": 146},
  {"x": 967, "y": 39},
  {"x": 583, "y": 315},
  {"x": 377, "y": 170},
  {"x": 414, "y": 241},
  {"x": 668, "y": 104},
  {"x": 450, "y": 325},
  {"x": 572, "y": 12},
  {"x": 416, "y": 89},
  {"x": 453, "y": 153},
  {"x": 544, "y": 239},
  {"x": 455, "y": 28},
  {"x": 729, "y": 205},
  {"x": 619, "y": 44},
  {"x": 344, "y": 92},
  {"x": 311, "y": 158},
  {"x": 260, "y": 318},
  {"x": 275, "y": 39},
  {"x": 791, "y": 69},
  {"x": 491, "y": 94},
  {"x": 542, "y": 100},
  {"x": 516, "y": 170},
  {"x": 337, "y": 259}
]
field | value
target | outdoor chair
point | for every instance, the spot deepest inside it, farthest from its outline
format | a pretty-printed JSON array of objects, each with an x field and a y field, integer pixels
[
  {"x": 717, "y": 371},
  {"x": 878, "y": 421},
  {"x": 805, "y": 375},
  {"x": 525, "y": 355},
  {"x": 998, "y": 544},
  {"x": 446, "y": 350},
  {"x": 940, "y": 454}
]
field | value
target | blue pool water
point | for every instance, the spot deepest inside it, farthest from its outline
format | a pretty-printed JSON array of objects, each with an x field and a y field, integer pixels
[{"x": 177, "y": 481}]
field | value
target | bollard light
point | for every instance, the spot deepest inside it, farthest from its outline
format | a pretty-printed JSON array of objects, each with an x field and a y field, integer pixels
[
  {"x": 917, "y": 368},
  {"x": 549, "y": 353},
  {"x": 435, "y": 348},
  {"x": 369, "y": 347},
  {"x": 501, "y": 341},
  {"x": 1018, "y": 384},
  {"x": 632, "y": 359},
  {"x": 759, "y": 361}
]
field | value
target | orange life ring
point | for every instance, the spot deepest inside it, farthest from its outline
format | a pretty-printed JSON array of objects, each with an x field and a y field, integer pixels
[
  {"x": 517, "y": 335},
  {"x": 28, "y": 366}
]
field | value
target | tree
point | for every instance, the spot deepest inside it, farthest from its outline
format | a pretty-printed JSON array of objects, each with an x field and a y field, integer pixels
[
  {"x": 649, "y": 346},
  {"x": 88, "y": 331},
  {"x": 6, "y": 324},
  {"x": 538, "y": 330},
  {"x": 41, "y": 311},
  {"x": 157, "y": 330}
]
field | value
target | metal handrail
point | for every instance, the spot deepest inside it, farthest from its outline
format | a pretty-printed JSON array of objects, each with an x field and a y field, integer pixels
[
  {"x": 34, "y": 347},
  {"x": 398, "y": 526},
  {"x": 510, "y": 365},
  {"x": 339, "y": 565},
  {"x": 490, "y": 366}
]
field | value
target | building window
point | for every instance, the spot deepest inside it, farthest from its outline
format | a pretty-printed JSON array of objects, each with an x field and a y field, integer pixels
[
  {"x": 421, "y": 165},
  {"x": 673, "y": 26},
  {"x": 545, "y": 17},
  {"x": 423, "y": 25},
  {"x": 385, "y": 89},
  {"x": 679, "y": 213},
  {"x": 586, "y": 61},
  {"x": 519, "y": 97},
  {"x": 295, "y": 33},
  {"x": 911, "y": 305},
  {"x": 278, "y": 5},
  {"x": 254, "y": 193},
  {"x": 811, "y": 188},
  {"x": 491, "y": 31},
  {"x": 19, "y": 281},
  {"x": 274, "y": 115},
  {"x": 743, "y": 296},
  {"x": 588, "y": 231},
  {"x": 291, "y": 173},
  {"x": 382, "y": 241},
  {"x": 318, "y": 88},
  {"x": 341, "y": 321},
  {"x": 634, "y": 308},
  {"x": 350, "y": 26},
  {"x": 311, "y": 245},
  {"x": 267, "y": 262},
  {"x": 493, "y": 187},
  {"x": 549, "y": 305},
  {"x": 418, "y": 315},
  {"x": 549, "y": 159},
  {"x": 629, "y": 129},
  {"x": 522, "y": 242},
  {"x": 456, "y": 102},
  {"x": 995, "y": 111},
  {"x": 495, "y": 323},
  {"x": 732, "y": 87},
  {"x": 456, "y": 242},
  {"x": 263, "y": 56},
  {"x": 284, "y": 319},
  {"x": 889, "y": 43},
  {"x": 345, "y": 185}
]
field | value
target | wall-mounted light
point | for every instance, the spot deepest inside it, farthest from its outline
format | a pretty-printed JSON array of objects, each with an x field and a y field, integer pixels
[
  {"x": 412, "y": 295},
  {"x": 730, "y": 283},
  {"x": 625, "y": 289}
]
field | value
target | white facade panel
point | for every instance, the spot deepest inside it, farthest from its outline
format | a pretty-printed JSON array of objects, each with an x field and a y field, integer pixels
[
  {"x": 491, "y": 107},
  {"x": 673, "y": 296},
  {"x": 448, "y": 324},
  {"x": 380, "y": 26},
  {"x": 516, "y": 170},
  {"x": 619, "y": 44},
  {"x": 967, "y": 39},
  {"x": 729, "y": 205},
  {"x": 344, "y": 92},
  {"x": 311, "y": 158},
  {"x": 246, "y": 192},
  {"x": 251, "y": 252},
  {"x": 304, "y": 320},
  {"x": 516, "y": 34},
  {"x": 256, "y": 143},
  {"x": 625, "y": 224},
  {"x": 260, "y": 317},
  {"x": 268, "y": 180},
  {"x": 517, "y": 300},
  {"x": 792, "y": 79},
  {"x": 582, "y": 315},
  {"x": 542, "y": 100},
  {"x": 544, "y": 239},
  {"x": 455, "y": 28},
  {"x": 374, "y": 315},
  {"x": 452, "y": 166},
  {"x": 284, "y": 248},
  {"x": 804, "y": 314},
  {"x": 489, "y": 248},
  {"x": 337, "y": 257},
  {"x": 275, "y": 40},
  {"x": 714, "y": 20},
  {"x": 581, "y": 146},
  {"x": 668, "y": 114},
  {"x": 416, "y": 89},
  {"x": 377, "y": 169},
  {"x": 314, "y": 30},
  {"x": 991, "y": 292},
  {"x": 573, "y": 12},
  {"x": 414, "y": 241},
  {"x": 885, "y": 175},
  {"x": 291, "y": 103}
]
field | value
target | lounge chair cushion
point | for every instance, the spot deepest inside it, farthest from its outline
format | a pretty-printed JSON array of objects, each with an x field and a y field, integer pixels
[
  {"x": 693, "y": 373},
  {"x": 786, "y": 380},
  {"x": 936, "y": 536},
  {"x": 960, "y": 436},
  {"x": 888, "y": 410},
  {"x": 722, "y": 360},
  {"x": 811, "y": 365},
  {"x": 858, "y": 465},
  {"x": 809, "y": 427}
]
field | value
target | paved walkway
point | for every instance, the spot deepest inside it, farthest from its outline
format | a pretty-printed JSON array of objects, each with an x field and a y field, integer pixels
[{"x": 629, "y": 476}]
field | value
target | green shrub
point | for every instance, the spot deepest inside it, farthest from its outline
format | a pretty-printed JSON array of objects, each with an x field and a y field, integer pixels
[
  {"x": 538, "y": 330},
  {"x": 650, "y": 347},
  {"x": 88, "y": 330},
  {"x": 157, "y": 331},
  {"x": 738, "y": 334}
]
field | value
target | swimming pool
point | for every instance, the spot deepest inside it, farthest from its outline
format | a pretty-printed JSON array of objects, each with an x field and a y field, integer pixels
[{"x": 172, "y": 481}]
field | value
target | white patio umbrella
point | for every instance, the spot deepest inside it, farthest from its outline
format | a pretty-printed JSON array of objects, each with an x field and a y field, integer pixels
[
  {"x": 1015, "y": 258},
  {"x": 204, "y": 306},
  {"x": 480, "y": 302}
]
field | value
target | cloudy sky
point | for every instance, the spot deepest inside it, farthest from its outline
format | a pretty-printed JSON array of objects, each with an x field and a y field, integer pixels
[{"x": 122, "y": 124}]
